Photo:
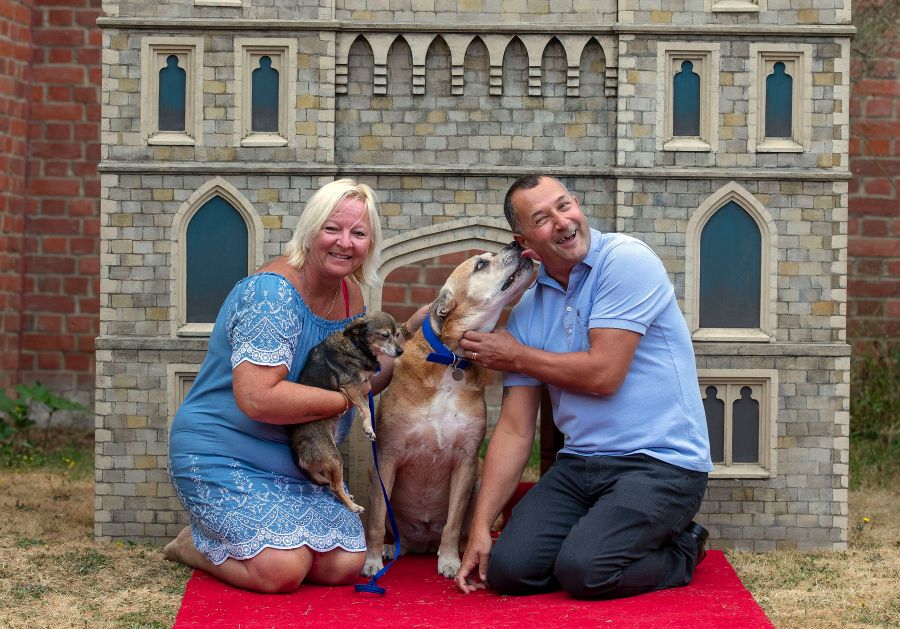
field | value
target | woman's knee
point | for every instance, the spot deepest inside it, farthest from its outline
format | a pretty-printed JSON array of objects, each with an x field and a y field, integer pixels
[
  {"x": 279, "y": 571},
  {"x": 337, "y": 567}
]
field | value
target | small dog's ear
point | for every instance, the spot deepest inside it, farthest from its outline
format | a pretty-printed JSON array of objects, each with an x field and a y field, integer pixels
[
  {"x": 440, "y": 308},
  {"x": 356, "y": 327}
]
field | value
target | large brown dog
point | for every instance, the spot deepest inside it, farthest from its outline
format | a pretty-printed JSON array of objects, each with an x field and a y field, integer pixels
[{"x": 431, "y": 420}]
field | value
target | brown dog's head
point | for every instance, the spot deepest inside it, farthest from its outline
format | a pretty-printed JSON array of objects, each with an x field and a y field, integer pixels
[
  {"x": 376, "y": 331},
  {"x": 474, "y": 295}
]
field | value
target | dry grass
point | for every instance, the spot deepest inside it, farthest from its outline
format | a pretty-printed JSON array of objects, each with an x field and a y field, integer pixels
[
  {"x": 859, "y": 587},
  {"x": 54, "y": 574}
]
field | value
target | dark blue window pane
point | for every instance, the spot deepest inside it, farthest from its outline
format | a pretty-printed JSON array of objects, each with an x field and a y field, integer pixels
[
  {"x": 730, "y": 257},
  {"x": 745, "y": 428},
  {"x": 779, "y": 103},
  {"x": 216, "y": 258},
  {"x": 171, "y": 96},
  {"x": 686, "y": 101},
  {"x": 265, "y": 97},
  {"x": 715, "y": 424}
]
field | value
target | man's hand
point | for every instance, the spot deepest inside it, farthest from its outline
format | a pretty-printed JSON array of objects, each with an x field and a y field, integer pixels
[
  {"x": 495, "y": 350},
  {"x": 478, "y": 552}
]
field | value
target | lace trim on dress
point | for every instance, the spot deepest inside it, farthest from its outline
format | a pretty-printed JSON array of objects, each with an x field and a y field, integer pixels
[
  {"x": 283, "y": 513},
  {"x": 263, "y": 326}
]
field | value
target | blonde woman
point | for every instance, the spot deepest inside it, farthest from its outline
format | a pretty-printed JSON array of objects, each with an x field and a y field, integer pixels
[{"x": 256, "y": 521}]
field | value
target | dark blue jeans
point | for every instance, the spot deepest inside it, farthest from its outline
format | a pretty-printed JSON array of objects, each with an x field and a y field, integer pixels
[{"x": 601, "y": 527}]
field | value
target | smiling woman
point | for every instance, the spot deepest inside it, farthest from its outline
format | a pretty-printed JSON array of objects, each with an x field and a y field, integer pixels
[{"x": 229, "y": 456}]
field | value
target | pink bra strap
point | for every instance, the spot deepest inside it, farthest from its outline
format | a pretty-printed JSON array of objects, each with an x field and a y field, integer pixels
[{"x": 346, "y": 297}]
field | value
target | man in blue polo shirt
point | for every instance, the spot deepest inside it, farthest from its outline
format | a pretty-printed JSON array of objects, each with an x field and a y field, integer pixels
[{"x": 602, "y": 331}]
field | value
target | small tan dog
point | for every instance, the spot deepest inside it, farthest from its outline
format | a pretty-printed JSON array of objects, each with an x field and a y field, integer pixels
[{"x": 432, "y": 418}]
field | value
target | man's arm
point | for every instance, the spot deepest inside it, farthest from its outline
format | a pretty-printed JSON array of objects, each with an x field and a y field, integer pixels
[
  {"x": 506, "y": 457},
  {"x": 601, "y": 370}
]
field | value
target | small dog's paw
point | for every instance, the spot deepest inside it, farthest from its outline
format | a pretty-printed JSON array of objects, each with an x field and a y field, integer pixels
[
  {"x": 355, "y": 508},
  {"x": 448, "y": 566},
  {"x": 371, "y": 568},
  {"x": 370, "y": 434}
]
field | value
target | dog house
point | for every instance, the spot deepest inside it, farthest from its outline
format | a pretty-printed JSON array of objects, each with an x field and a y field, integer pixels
[{"x": 714, "y": 130}]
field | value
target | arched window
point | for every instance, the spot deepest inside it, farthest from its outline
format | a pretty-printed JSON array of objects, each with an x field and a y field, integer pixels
[
  {"x": 730, "y": 257},
  {"x": 172, "y": 101},
  {"x": 216, "y": 258},
  {"x": 715, "y": 423},
  {"x": 686, "y": 101},
  {"x": 171, "y": 91},
  {"x": 687, "y": 96},
  {"x": 779, "y": 102},
  {"x": 741, "y": 407},
  {"x": 265, "y": 97},
  {"x": 265, "y": 78}
]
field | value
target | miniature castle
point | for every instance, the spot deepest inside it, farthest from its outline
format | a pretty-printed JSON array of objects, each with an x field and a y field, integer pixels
[{"x": 714, "y": 130}]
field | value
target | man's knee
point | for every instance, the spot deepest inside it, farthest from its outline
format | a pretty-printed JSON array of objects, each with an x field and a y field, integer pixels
[
  {"x": 511, "y": 572},
  {"x": 585, "y": 577}
]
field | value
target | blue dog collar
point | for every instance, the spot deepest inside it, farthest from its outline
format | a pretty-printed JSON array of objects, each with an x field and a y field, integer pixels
[{"x": 440, "y": 352}]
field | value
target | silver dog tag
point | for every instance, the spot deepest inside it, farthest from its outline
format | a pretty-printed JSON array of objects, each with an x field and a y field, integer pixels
[{"x": 456, "y": 373}]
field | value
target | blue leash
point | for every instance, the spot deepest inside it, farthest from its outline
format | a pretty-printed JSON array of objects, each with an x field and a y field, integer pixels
[{"x": 371, "y": 587}]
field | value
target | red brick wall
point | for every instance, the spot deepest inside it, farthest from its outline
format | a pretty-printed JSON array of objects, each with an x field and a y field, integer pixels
[
  {"x": 874, "y": 213},
  {"x": 15, "y": 75},
  {"x": 60, "y": 216}
]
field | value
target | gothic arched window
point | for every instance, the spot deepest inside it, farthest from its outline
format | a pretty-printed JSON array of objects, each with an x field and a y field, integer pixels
[
  {"x": 216, "y": 257},
  {"x": 730, "y": 267}
]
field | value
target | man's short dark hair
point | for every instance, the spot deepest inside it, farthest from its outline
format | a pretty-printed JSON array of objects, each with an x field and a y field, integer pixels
[{"x": 522, "y": 183}]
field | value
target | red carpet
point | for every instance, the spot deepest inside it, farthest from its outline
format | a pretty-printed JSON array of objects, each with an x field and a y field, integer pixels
[{"x": 418, "y": 597}]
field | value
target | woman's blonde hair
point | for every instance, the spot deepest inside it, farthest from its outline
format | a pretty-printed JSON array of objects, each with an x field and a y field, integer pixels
[{"x": 316, "y": 212}]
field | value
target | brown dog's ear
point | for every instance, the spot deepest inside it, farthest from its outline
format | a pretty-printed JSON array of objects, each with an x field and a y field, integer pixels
[{"x": 440, "y": 308}]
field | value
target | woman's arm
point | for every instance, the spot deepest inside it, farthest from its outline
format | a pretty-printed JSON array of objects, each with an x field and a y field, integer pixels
[{"x": 263, "y": 394}]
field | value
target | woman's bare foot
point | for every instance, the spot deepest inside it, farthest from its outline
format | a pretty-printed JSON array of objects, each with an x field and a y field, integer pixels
[{"x": 175, "y": 550}]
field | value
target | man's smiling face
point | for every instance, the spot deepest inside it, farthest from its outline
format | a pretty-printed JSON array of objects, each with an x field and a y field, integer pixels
[{"x": 553, "y": 226}]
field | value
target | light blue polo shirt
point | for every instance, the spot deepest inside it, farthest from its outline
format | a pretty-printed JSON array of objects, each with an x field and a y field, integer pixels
[{"x": 657, "y": 411}]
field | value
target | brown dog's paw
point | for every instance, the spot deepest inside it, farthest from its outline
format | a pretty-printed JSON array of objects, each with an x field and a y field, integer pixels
[
  {"x": 372, "y": 566},
  {"x": 448, "y": 566}
]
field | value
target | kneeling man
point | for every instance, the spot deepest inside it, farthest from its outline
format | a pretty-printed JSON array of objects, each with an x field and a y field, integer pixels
[{"x": 602, "y": 330}]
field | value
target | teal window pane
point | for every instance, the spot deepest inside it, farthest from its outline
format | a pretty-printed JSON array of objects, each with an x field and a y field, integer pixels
[
  {"x": 172, "y": 84},
  {"x": 686, "y": 101},
  {"x": 715, "y": 424},
  {"x": 730, "y": 269},
  {"x": 216, "y": 258},
  {"x": 265, "y": 97},
  {"x": 745, "y": 428},
  {"x": 779, "y": 103}
]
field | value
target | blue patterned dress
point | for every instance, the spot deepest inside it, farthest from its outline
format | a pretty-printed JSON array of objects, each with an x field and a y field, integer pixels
[{"x": 235, "y": 476}]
